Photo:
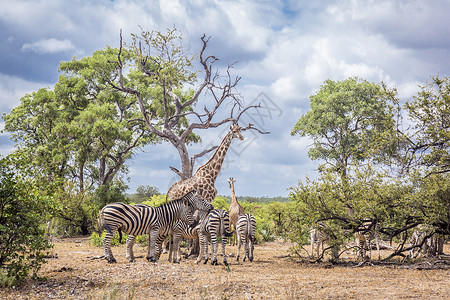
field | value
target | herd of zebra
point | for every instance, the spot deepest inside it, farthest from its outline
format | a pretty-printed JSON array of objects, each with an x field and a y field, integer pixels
[
  {"x": 190, "y": 217},
  {"x": 422, "y": 240}
]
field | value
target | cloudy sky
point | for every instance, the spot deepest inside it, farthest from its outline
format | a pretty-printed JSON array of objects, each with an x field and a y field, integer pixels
[{"x": 284, "y": 51}]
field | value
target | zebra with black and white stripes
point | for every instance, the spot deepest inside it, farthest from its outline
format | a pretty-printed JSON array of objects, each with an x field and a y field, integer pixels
[
  {"x": 318, "y": 237},
  {"x": 202, "y": 208},
  {"x": 216, "y": 223},
  {"x": 180, "y": 230},
  {"x": 142, "y": 219},
  {"x": 245, "y": 231}
]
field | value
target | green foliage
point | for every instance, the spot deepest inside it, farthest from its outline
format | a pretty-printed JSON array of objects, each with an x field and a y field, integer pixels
[
  {"x": 429, "y": 113},
  {"x": 75, "y": 213},
  {"x": 82, "y": 132},
  {"x": 143, "y": 192},
  {"x": 23, "y": 207},
  {"x": 96, "y": 240},
  {"x": 430, "y": 201},
  {"x": 155, "y": 200},
  {"x": 349, "y": 121},
  {"x": 263, "y": 231},
  {"x": 221, "y": 202},
  {"x": 109, "y": 193}
]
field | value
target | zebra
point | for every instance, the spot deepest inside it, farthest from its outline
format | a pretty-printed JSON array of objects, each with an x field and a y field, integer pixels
[
  {"x": 318, "y": 237},
  {"x": 366, "y": 233},
  {"x": 142, "y": 219},
  {"x": 180, "y": 229},
  {"x": 245, "y": 231},
  {"x": 216, "y": 223},
  {"x": 424, "y": 239},
  {"x": 202, "y": 208}
]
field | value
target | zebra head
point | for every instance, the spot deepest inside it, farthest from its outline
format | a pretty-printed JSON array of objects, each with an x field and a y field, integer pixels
[
  {"x": 186, "y": 211},
  {"x": 198, "y": 202}
]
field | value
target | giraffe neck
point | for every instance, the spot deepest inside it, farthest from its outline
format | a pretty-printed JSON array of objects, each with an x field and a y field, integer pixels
[
  {"x": 212, "y": 167},
  {"x": 233, "y": 195}
]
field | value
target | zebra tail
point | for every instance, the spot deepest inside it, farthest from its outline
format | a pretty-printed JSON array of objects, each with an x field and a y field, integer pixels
[
  {"x": 100, "y": 220},
  {"x": 120, "y": 235},
  {"x": 226, "y": 232},
  {"x": 249, "y": 230}
]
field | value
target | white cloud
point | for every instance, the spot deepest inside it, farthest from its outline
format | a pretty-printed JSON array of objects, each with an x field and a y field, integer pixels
[
  {"x": 12, "y": 88},
  {"x": 285, "y": 54},
  {"x": 48, "y": 46}
]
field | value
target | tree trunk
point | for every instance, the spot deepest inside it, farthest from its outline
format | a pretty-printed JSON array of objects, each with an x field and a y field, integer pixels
[{"x": 186, "y": 167}]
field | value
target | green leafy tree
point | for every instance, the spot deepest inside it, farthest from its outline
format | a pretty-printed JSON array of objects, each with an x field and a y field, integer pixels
[
  {"x": 221, "y": 202},
  {"x": 23, "y": 206},
  {"x": 429, "y": 134},
  {"x": 349, "y": 121},
  {"x": 377, "y": 205},
  {"x": 82, "y": 130},
  {"x": 147, "y": 191},
  {"x": 80, "y": 135}
]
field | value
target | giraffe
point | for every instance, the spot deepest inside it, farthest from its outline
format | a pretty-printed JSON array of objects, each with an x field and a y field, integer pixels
[
  {"x": 235, "y": 211},
  {"x": 204, "y": 178}
]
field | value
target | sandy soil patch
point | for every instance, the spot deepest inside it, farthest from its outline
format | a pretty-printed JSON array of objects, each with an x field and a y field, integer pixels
[{"x": 78, "y": 274}]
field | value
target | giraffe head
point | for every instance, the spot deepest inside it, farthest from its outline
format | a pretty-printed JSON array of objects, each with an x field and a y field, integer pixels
[
  {"x": 231, "y": 181},
  {"x": 236, "y": 131}
]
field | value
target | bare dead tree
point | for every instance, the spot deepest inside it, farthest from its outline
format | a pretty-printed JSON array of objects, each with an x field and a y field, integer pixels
[{"x": 175, "y": 110}]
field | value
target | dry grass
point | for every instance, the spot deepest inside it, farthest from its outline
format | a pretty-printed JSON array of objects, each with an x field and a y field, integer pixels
[{"x": 76, "y": 274}]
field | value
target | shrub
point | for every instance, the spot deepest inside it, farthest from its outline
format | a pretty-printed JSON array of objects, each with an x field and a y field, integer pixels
[
  {"x": 22, "y": 207},
  {"x": 97, "y": 240}
]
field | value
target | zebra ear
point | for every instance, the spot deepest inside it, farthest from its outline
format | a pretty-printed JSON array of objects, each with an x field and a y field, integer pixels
[{"x": 187, "y": 202}]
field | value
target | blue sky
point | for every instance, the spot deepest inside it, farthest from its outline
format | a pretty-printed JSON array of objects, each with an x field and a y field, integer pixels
[{"x": 284, "y": 51}]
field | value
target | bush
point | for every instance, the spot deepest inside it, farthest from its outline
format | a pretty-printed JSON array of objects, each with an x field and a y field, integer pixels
[
  {"x": 97, "y": 240},
  {"x": 264, "y": 232},
  {"x": 155, "y": 200},
  {"x": 22, "y": 208}
]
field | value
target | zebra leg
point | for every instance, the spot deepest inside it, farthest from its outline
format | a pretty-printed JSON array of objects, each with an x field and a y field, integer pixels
[
  {"x": 107, "y": 245},
  {"x": 224, "y": 242},
  {"x": 130, "y": 243},
  {"x": 245, "y": 248},
  {"x": 170, "y": 249},
  {"x": 201, "y": 249},
  {"x": 214, "y": 249},
  {"x": 250, "y": 249},
  {"x": 152, "y": 245},
  {"x": 239, "y": 244},
  {"x": 205, "y": 250},
  {"x": 174, "y": 248},
  {"x": 167, "y": 243}
]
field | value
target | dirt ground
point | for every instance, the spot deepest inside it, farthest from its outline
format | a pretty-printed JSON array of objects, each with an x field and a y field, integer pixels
[{"x": 79, "y": 273}]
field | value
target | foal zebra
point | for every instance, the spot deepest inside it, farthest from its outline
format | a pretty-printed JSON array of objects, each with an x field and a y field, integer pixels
[
  {"x": 245, "y": 231},
  {"x": 179, "y": 230},
  {"x": 216, "y": 223},
  {"x": 142, "y": 219}
]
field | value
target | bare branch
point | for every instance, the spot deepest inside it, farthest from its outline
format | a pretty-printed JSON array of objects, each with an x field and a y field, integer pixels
[
  {"x": 193, "y": 158},
  {"x": 250, "y": 126},
  {"x": 178, "y": 172}
]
